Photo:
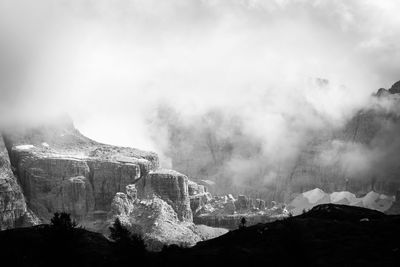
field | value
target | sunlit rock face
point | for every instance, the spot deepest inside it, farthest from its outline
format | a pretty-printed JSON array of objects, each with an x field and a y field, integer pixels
[
  {"x": 77, "y": 185},
  {"x": 157, "y": 221},
  {"x": 170, "y": 186},
  {"x": 13, "y": 209},
  {"x": 198, "y": 196}
]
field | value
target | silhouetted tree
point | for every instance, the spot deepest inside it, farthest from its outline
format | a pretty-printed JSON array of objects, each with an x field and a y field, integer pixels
[
  {"x": 125, "y": 240},
  {"x": 61, "y": 235},
  {"x": 62, "y": 221},
  {"x": 243, "y": 222},
  {"x": 118, "y": 232}
]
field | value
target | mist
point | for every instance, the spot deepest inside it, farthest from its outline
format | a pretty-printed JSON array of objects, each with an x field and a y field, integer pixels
[{"x": 232, "y": 91}]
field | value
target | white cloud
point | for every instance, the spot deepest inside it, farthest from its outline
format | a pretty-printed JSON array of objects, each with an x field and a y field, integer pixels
[{"x": 110, "y": 63}]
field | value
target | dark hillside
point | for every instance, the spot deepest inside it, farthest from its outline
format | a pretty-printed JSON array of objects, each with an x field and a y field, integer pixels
[{"x": 327, "y": 235}]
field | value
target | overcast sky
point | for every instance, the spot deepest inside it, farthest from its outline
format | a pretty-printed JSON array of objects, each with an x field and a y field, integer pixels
[{"x": 109, "y": 64}]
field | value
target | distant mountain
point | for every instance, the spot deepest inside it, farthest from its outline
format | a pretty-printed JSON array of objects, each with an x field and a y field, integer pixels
[{"x": 359, "y": 156}]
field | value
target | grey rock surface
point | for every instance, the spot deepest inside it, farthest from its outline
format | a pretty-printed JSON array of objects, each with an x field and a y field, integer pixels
[
  {"x": 13, "y": 208},
  {"x": 170, "y": 186}
]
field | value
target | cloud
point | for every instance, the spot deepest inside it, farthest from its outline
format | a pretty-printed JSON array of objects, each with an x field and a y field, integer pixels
[{"x": 282, "y": 69}]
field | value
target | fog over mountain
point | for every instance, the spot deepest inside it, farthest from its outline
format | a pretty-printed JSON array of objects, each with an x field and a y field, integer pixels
[{"x": 238, "y": 92}]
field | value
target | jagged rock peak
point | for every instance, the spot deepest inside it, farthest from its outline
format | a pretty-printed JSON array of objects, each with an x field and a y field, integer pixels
[{"x": 395, "y": 89}]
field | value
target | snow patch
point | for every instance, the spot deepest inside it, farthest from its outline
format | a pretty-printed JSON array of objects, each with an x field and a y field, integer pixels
[
  {"x": 315, "y": 196},
  {"x": 342, "y": 197},
  {"x": 309, "y": 199},
  {"x": 24, "y": 147},
  {"x": 208, "y": 182}
]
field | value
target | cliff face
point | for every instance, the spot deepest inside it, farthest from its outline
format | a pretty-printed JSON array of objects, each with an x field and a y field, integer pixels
[
  {"x": 59, "y": 169},
  {"x": 13, "y": 209},
  {"x": 170, "y": 186},
  {"x": 54, "y": 182},
  {"x": 356, "y": 156},
  {"x": 157, "y": 221},
  {"x": 359, "y": 157}
]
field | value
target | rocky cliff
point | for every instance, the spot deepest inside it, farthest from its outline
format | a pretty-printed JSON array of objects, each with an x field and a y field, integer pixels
[
  {"x": 170, "y": 186},
  {"x": 59, "y": 169},
  {"x": 56, "y": 168},
  {"x": 13, "y": 208},
  {"x": 359, "y": 157},
  {"x": 356, "y": 154},
  {"x": 157, "y": 221}
]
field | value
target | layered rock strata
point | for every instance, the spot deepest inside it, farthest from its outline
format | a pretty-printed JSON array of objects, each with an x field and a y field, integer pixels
[
  {"x": 170, "y": 186},
  {"x": 59, "y": 169},
  {"x": 13, "y": 208}
]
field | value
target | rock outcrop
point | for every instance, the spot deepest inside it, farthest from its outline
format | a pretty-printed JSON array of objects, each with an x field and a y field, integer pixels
[
  {"x": 227, "y": 212},
  {"x": 13, "y": 208},
  {"x": 157, "y": 222},
  {"x": 170, "y": 186},
  {"x": 198, "y": 196}
]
